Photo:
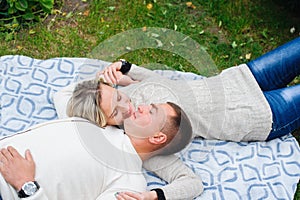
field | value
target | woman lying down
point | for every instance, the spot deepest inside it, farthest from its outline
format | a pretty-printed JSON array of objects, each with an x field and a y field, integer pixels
[{"x": 248, "y": 102}]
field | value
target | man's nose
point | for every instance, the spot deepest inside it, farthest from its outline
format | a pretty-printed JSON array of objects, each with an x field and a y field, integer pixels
[{"x": 143, "y": 109}]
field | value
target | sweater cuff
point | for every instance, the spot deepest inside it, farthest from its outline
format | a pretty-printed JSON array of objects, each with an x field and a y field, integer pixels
[{"x": 160, "y": 193}]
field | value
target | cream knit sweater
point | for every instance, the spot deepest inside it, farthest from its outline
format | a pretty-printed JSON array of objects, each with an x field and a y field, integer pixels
[{"x": 229, "y": 106}]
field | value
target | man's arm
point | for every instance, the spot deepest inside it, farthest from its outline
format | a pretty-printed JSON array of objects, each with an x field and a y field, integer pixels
[
  {"x": 183, "y": 183},
  {"x": 17, "y": 170}
]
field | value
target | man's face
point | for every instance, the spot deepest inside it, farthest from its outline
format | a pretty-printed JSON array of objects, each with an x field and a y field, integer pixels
[
  {"x": 148, "y": 120},
  {"x": 115, "y": 105}
]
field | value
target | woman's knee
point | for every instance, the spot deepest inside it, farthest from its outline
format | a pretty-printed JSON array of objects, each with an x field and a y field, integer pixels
[
  {"x": 278, "y": 67},
  {"x": 285, "y": 106}
]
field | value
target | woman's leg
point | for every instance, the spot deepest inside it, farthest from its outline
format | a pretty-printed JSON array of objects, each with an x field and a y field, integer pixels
[
  {"x": 285, "y": 105},
  {"x": 278, "y": 67}
]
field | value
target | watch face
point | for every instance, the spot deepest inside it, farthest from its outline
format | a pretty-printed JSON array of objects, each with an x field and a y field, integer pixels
[{"x": 29, "y": 188}]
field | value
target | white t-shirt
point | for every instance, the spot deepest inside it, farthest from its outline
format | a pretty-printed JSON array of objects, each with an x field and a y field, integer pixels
[{"x": 76, "y": 159}]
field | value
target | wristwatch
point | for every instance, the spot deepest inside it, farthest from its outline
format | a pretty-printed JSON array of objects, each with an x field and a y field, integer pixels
[
  {"x": 28, "y": 189},
  {"x": 125, "y": 67},
  {"x": 160, "y": 193}
]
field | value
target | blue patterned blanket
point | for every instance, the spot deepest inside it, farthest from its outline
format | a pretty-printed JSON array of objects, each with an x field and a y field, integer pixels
[{"x": 229, "y": 170}]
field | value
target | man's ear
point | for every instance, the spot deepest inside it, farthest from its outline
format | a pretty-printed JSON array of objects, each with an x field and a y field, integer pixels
[{"x": 158, "y": 138}]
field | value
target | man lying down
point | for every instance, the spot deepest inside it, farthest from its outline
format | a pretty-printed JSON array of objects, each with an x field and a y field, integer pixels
[{"x": 75, "y": 159}]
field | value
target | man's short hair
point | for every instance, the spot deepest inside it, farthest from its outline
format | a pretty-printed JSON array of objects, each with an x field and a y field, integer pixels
[{"x": 179, "y": 131}]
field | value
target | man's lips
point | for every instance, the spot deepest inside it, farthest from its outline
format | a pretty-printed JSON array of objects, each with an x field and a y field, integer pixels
[
  {"x": 134, "y": 112},
  {"x": 134, "y": 115},
  {"x": 130, "y": 111}
]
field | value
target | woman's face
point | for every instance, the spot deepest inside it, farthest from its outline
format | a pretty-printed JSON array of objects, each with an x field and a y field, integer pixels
[{"x": 115, "y": 105}]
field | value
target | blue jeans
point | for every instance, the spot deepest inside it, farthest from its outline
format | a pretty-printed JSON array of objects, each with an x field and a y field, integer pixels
[{"x": 273, "y": 72}]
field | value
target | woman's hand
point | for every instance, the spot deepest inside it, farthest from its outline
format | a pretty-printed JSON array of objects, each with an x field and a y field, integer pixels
[
  {"x": 112, "y": 75},
  {"x": 15, "y": 169},
  {"x": 149, "y": 195}
]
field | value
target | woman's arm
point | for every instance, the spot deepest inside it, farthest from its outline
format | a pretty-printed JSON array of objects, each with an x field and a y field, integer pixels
[
  {"x": 136, "y": 73},
  {"x": 140, "y": 73},
  {"x": 183, "y": 183}
]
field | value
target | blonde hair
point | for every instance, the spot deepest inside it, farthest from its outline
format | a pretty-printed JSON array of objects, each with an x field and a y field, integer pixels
[{"x": 85, "y": 102}]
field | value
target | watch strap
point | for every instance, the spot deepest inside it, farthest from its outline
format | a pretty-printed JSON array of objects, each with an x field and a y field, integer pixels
[
  {"x": 160, "y": 193},
  {"x": 22, "y": 194}
]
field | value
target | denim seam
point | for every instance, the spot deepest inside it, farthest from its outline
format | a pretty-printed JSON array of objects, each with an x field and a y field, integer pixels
[{"x": 282, "y": 127}]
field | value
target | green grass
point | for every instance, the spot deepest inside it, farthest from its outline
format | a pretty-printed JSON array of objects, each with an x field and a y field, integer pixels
[
  {"x": 228, "y": 30},
  {"x": 216, "y": 25}
]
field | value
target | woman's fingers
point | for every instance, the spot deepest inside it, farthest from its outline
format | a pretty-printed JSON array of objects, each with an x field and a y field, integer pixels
[
  {"x": 107, "y": 78},
  {"x": 110, "y": 73}
]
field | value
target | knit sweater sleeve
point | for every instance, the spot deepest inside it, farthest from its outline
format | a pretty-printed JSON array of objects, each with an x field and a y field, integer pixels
[
  {"x": 183, "y": 183},
  {"x": 140, "y": 73}
]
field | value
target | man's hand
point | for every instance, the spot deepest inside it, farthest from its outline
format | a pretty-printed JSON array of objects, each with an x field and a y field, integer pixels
[
  {"x": 15, "y": 169},
  {"x": 151, "y": 195}
]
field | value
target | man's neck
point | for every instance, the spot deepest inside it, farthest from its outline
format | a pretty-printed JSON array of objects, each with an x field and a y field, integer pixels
[{"x": 141, "y": 149}]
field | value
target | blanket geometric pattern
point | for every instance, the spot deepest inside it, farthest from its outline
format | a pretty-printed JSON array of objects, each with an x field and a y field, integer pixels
[{"x": 229, "y": 170}]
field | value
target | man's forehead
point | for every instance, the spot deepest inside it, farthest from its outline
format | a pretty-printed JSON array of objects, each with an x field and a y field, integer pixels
[{"x": 166, "y": 108}]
